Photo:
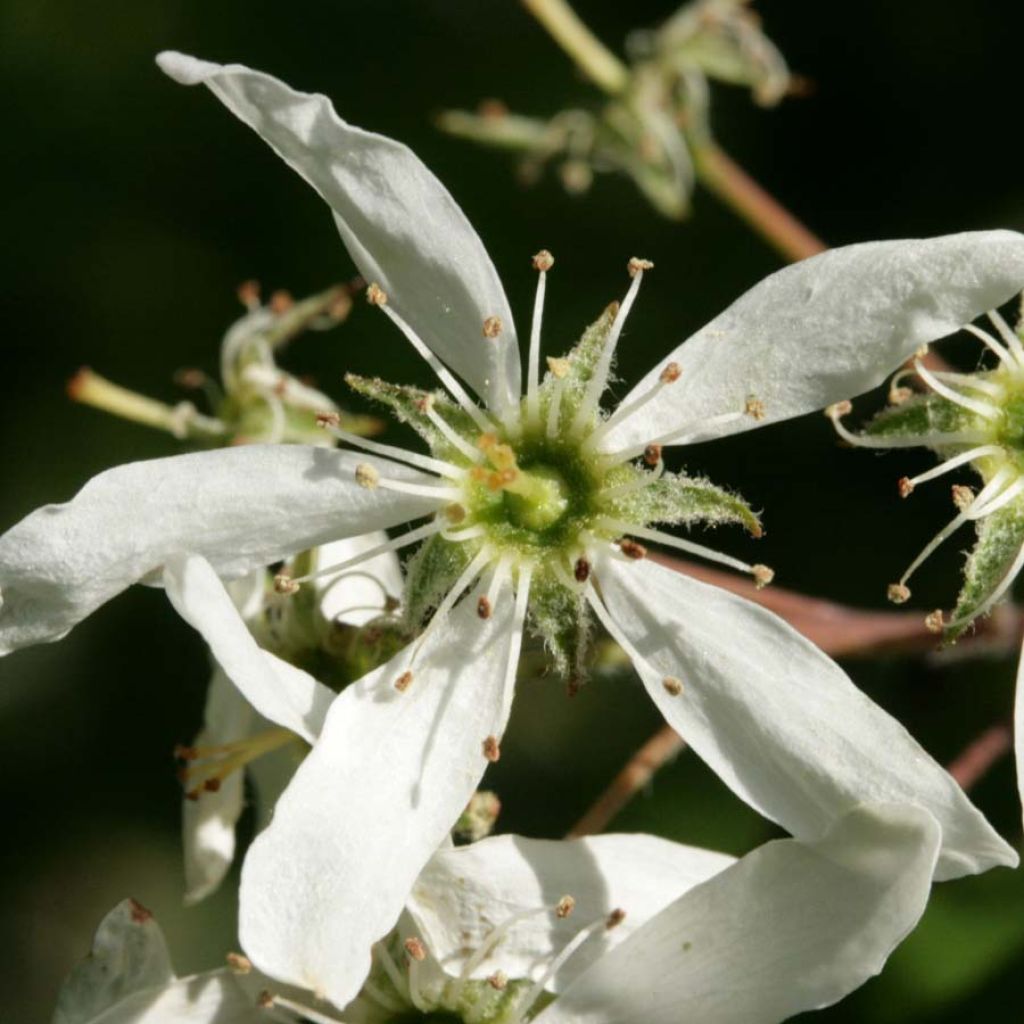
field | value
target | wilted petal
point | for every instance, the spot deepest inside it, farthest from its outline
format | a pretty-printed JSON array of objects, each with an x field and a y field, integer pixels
[
  {"x": 277, "y": 690},
  {"x": 381, "y": 789},
  {"x": 825, "y": 329},
  {"x": 790, "y": 927},
  {"x": 402, "y": 228},
  {"x": 777, "y": 719},
  {"x": 464, "y": 893},
  {"x": 128, "y": 955},
  {"x": 208, "y": 824},
  {"x": 241, "y": 508}
]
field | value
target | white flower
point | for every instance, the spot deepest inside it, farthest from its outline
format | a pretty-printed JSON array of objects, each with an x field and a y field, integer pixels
[
  {"x": 401, "y": 751},
  {"x": 612, "y": 929}
]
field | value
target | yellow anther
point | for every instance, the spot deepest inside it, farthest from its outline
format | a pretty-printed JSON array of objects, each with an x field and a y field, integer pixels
[
  {"x": 762, "y": 575},
  {"x": 565, "y": 907},
  {"x": 543, "y": 260},
  {"x": 367, "y": 476},
  {"x": 376, "y": 296},
  {"x": 934, "y": 622},
  {"x": 636, "y": 265},
  {"x": 492, "y": 327},
  {"x": 284, "y": 584},
  {"x": 898, "y": 593},
  {"x": 415, "y": 948},
  {"x": 754, "y": 408},
  {"x": 673, "y": 686}
]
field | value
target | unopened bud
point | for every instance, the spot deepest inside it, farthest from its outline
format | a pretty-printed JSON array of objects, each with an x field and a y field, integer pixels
[
  {"x": 565, "y": 907},
  {"x": 898, "y": 593},
  {"x": 543, "y": 260},
  {"x": 673, "y": 686},
  {"x": 367, "y": 476},
  {"x": 762, "y": 575},
  {"x": 637, "y": 265}
]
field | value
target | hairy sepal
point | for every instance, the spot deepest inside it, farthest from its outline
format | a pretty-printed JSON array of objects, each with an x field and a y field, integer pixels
[
  {"x": 920, "y": 416},
  {"x": 561, "y": 618},
  {"x": 682, "y": 500},
  {"x": 429, "y": 575}
]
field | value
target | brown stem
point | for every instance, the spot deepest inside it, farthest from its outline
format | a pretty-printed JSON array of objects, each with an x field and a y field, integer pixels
[
  {"x": 723, "y": 176},
  {"x": 662, "y": 747},
  {"x": 981, "y": 754}
]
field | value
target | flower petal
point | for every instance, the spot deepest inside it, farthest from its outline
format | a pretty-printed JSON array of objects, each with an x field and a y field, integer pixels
[
  {"x": 825, "y": 329},
  {"x": 790, "y": 927},
  {"x": 208, "y": 824},
  {"x": 128, "y": 955},
  {"x": 400, "y": 225},
  {"x": 280, "y": 692},
  {"x": 1018, "y": 727},
  {"x": 359, "y": 595},
  {"x": 242, "y": 508},
  {"x": 390, "y": 775},
  {"x": 777, "y": 719},
  {"x": 464, "y": 893}
]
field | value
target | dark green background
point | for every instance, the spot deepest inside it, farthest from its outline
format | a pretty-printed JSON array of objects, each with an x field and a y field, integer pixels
[{"x": 132, "y": 207}]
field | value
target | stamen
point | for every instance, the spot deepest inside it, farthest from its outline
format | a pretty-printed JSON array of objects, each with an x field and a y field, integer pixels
[
  {"x": 307, "y": 1012},
  {"x": 542, "y": 263},
  {"x": 599, "y": 380},
  {"x": 667, "y": 377},
  {"x": 238, "y": 963},
  {"x": 620, "y": 526},
  {"x": 492, "y": 327},
  {"x": 834, "y": 412},
  {"x": 369, "y": 477},
  {"x": 1000, "y": 501},
  {"x": 455, "y": 389},
  {"x": 673, "y": 686},
  {"x": 982, "y": 409},
  {"x": 426, "y": 406},
  {"x": 217, "y": 762},
  {"x": 581, "y": 570},
  {"x": 391, "y": 968},
  {"x": 515, "y": 642},
  {"x": 492, "y": 749},
  {"x": 907, "y": 484},
  {"x": 329, "y": 421},
  {"x": 484, "y": 608},
  {"x": 396, "y": 544},
  {"x": 1008, "y": 335},
  {"x": 986, "y": 339},
  {"x": 933, "y": 621},
  {"x": 968, "y": 380},
  {"x": 687, "y": 433}
]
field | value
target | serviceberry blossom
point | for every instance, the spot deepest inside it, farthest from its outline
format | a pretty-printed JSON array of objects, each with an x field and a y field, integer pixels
[
  {"x": 611, "y": 929},
  {"x": 537, "y": 507}
]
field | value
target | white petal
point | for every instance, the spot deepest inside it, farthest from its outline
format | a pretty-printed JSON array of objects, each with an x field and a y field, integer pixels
[
  {"x": 400, "y": 225},
  {"x": 358, "y": 595},
  {"x": 241, "y": 508},
  {"x": 1018, "y": 727},
  {"x": 466, "y": 892},
  {"x": 777, "y": 719},
  {"x": 790, "y": 927},
  {"x": 828, "y": 328},
  {"x": 128, "y": 955},
  {"x": 381, "y": 789},
  {"x": 208, "y": 824},
  {"x": 280, "y": 692}
]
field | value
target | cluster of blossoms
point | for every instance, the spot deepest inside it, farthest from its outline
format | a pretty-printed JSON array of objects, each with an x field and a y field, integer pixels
[{"x": 537, "y": 507}]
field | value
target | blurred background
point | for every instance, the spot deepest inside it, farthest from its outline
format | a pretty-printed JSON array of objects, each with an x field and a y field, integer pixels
[{"x": 132, "y": 208}]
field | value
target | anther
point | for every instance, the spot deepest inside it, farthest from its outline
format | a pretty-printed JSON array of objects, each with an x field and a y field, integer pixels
[
  {"x": 492, "y": 749},
  {"x": 238, "y": 963},
  {"x": 652, "y": 454},
  {"x": 754, "y": 408},
  {"x": 403, "y": 682},
  {"x": 565, "y": 907},
  {"x": 905, "y": 486},
  {"x": 281, "y": 301},
  {"x": 499, "y": 979},
  {"x": 455, "y": 513},
  {"x": 415, "y": 948},
  {"x": 328, "y": 419},
  {"x": 376, "y": 296},
  {"x": 963, "y": 496},
  {"x": 933, "y": 622},
  {"x": 182, "y": 753},
  {"x": 631, "y": 549},
  {"x": 898, "y": 593},
  {"x": 615, "y": 918},
  {"x": 559, "y": 367},
  {"x": 140, "y": 914},
  {"x": 673, "y": 686},
  {"x": 249, "y": 294},
  {"x": 265, "y": 1000},
  {"x": 843, "y": 408},
  {"x": 671, "y": 373},
  {"x": 543, "y": 261},
  {"x": 492, "y": 327},
  {"x": 284, "y": 584},
  {"x": 899, "y": 395},
  {"x": 483, "y": 607},
  {"x": 762, "y": 575},
  {"x": 636, "y": 265},
  {"x": 581, "y": 570},
  {"x": 367, "y": 476},
  {"x": 212, "y": 785}
]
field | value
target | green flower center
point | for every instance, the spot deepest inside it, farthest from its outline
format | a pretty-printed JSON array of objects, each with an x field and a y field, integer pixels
[{"x": 537, "y": 499}]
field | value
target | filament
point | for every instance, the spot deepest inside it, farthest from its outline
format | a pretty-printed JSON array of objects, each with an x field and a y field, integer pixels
[
  {"x": 388, "y": 451},
  {"x": 533, "y": 361},
  {"x": 669, "y": 540},
  {"x": 982, "y": 409}
]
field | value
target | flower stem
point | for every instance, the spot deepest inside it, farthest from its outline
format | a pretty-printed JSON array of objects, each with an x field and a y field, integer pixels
[
  {"x": 719, "y": 173},
  {"x": 592, "y": 57}
]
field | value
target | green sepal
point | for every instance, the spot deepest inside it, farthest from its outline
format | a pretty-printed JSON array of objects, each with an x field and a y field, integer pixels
[
  {"x": 429, "y": 575},
  {"x": 920, "y": 416},
  {"x": 685, "y": 500},
  {"x": 1000, "y": 538},
  {"x": 407, "y": 402},
  {"x": 561, "y": 618},
  {"x": 582, "y": 362}
]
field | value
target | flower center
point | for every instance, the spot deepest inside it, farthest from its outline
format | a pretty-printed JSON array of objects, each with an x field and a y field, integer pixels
[{"x": 537, "y": 499}]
